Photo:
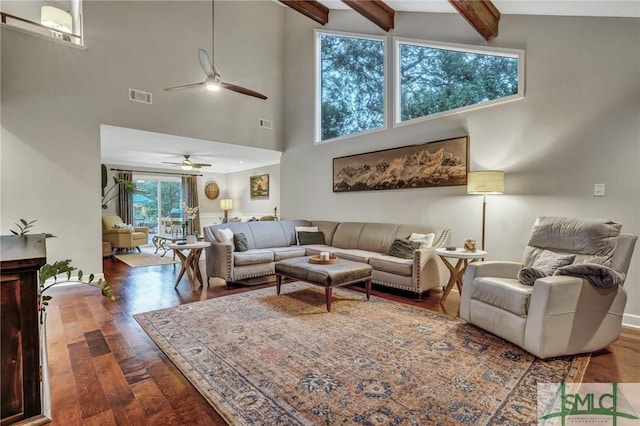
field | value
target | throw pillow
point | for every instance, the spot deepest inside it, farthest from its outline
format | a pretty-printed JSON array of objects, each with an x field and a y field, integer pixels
[
  {"x": 224, "y": 235},
  {"x": 304, "y": 229},
  {"x": 528, "y": 276},
  {"x": 549, "y": 261},
  {"x": 425, "y": 240},
  {"x": 240, "y": 242},
  {"x": 306, "y": 238},
  {"x": 403, "y": 248}
]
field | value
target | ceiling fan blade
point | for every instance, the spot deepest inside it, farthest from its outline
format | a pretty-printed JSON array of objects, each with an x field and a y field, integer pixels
[
  {"x": 198, "y": 165},
  {"x": 205, "y": 62},
  {"x": 185, "y": 86},
  {"x": 168, "y": 162},
  {"x": 242, "y": 90}
]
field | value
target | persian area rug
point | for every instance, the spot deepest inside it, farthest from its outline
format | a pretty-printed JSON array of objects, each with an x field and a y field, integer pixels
[
  {"x": 264, "y": 359},
  {"x": 136, "y": 260}
]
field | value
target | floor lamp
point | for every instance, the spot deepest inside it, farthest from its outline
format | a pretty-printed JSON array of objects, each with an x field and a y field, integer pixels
[{"x": 485, "y": 182}]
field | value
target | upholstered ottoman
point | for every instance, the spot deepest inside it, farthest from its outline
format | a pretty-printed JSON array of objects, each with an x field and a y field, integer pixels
[{"x": 341, "y": 273}]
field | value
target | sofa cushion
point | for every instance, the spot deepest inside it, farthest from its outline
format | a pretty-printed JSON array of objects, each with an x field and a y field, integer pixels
[
  {"x": 392, "y": 264},
  {"x": 288, "y": 252},
  {"x": 504, "y": 293},
  {"x": 224, "y": 235},
  {"x": 304, "y": 229},
  {"x": 378, "y": 237},
  {"x": 353, "y": 254},
  {"x": 306, "y": 238},
  {"x": 268, "y": 234},
  {"x": 252, "y": 257},
  {"x": 327, "y": 228},
  {"x": 240, "y": 242},
  {"x": 425, "y": 240},
  {"x": 403, "y": 248}
]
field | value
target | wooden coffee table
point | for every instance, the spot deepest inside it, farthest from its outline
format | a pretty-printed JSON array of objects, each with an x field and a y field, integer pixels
[{"x": 340, "y": 273}]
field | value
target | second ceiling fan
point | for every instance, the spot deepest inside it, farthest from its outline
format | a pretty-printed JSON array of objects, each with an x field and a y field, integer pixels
[
  {"x": 214, "y": 81},
  {"x": 187, "y": 164}
]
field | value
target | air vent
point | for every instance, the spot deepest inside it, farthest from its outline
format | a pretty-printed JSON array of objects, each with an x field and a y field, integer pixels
[
  {"x": 265, "y": 124},
  {"x": 136, "y": 95}
]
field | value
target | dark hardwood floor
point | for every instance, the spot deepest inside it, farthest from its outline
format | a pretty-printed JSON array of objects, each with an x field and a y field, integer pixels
[{"x": 105, "y": 370}]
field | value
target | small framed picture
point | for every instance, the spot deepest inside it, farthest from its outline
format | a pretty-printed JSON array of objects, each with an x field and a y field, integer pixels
[{"x": 259, "y": 186}]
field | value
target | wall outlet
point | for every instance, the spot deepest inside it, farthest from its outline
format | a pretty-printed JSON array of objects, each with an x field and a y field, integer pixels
[{"x": 598, "y": 190}]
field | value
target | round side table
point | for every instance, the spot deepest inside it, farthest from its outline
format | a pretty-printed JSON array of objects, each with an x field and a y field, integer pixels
[
  {"x": 457, "y": 271},
  {"x": 190, "y": 261}
]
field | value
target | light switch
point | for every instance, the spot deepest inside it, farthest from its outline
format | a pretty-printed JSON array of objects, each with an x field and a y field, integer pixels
[{"x": 598, "y": 190}]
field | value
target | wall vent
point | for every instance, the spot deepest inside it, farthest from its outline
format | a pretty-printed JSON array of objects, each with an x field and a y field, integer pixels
[
  {"x": 136, "y": 95},
  {"x": 265, "y": 124}
]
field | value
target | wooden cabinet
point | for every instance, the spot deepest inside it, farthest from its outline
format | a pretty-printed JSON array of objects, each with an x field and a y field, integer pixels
[{"x": 21, "y": 390}]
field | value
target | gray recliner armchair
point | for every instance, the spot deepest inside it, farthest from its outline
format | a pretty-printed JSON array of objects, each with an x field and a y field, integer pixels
[{"x": 557, "y": 314}]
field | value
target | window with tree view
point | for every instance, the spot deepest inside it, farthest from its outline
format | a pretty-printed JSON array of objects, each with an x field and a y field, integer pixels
[
  {"x": 350, "y": 86},
  {"x": 434, "y": 79}
]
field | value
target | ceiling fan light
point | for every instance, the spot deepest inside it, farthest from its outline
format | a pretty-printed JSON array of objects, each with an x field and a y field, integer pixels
[
  {"x": 186, "y": 165},
  {"x": 213, "y": 86}
]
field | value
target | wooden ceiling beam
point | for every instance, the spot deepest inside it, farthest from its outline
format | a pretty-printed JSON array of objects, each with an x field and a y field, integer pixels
[
  {"x": 376, "y": 11},
  {"x": 481, "y": 14},
  {"x": 309, "y": 8}
]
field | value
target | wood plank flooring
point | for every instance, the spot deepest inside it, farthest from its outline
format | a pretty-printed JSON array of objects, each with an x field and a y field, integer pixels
[{"x": 106, "y": 371}]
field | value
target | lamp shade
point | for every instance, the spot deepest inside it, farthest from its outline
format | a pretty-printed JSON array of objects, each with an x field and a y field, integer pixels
[
  {"x": 55, "y": 18},
  {"x": 226, "y": 204},
  {"x": 485, "y": 182}
]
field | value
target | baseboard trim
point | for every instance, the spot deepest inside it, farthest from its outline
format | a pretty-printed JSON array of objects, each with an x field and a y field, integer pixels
[{"x": 630, "y": 320}]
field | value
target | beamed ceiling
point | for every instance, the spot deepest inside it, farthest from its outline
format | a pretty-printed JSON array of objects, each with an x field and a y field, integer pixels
[{"x": 480, "y": 14}]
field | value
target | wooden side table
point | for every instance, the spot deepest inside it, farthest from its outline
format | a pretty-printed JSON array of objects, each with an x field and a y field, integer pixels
[
  {"x": 190, "y": 261},
  {"x": 457, "y": 271}
]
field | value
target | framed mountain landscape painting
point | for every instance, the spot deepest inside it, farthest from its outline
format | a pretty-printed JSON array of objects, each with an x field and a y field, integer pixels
[{"x": 439, "y": 163}]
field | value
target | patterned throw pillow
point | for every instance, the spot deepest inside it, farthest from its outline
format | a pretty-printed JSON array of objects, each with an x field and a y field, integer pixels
[
  {"x": 240, "y": 242},
  {"x": 306, "y": 238},
  {"x": 549, "y": 261},
  {"x": 403, "y": 248}
]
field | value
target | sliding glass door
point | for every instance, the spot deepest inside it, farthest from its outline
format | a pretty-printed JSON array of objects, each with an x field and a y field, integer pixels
[{"x": 162, "y": 202}]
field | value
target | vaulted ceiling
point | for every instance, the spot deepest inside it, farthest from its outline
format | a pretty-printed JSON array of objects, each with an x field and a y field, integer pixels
[{"x": 481, "y": 14}]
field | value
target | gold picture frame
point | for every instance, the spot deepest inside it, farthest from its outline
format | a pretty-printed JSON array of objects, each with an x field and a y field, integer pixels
[
  {"x": 432, "y": 164},
  {"x": 259, "y": 186}
]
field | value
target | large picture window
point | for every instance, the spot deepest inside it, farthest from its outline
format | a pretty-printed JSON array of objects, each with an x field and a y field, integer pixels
[
  {"x": 434, "y": 79},
  {"x": 350, "y": 84}
]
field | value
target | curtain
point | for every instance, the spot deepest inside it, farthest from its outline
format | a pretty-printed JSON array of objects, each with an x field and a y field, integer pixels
[
  {"x": 190, "y": 193},
  {"x": 125, "y": 200}
]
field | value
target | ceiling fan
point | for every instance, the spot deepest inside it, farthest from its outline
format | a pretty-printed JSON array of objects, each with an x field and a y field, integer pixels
[
  {"x": 214, "y": 81},
  {"x": 187, "y": 164}
]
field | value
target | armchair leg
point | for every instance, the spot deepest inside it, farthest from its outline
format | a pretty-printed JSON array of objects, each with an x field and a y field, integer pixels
[{"x": 139, "y": 251}]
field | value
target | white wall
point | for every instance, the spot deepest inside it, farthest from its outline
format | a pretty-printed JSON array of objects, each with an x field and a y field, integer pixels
[
  {"x": 578, "y": 125},
  {"x": 238, "y": 191},
  {"x": 54, "y": 98}
]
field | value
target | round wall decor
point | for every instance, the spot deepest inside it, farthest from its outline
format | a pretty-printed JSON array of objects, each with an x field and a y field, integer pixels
[{"x": 212, "y": 190}]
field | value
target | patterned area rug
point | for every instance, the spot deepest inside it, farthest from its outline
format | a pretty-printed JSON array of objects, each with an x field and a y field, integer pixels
[{"x": 261, "y": 359}]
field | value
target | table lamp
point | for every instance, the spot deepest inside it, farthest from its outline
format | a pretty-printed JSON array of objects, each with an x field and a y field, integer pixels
[
  {"x": 485, "y": 182},
  {"x": 226, "y": 204}
]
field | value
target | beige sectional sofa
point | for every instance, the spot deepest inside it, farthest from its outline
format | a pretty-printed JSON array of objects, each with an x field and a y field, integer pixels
[{"x": 365, "y": 242}]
